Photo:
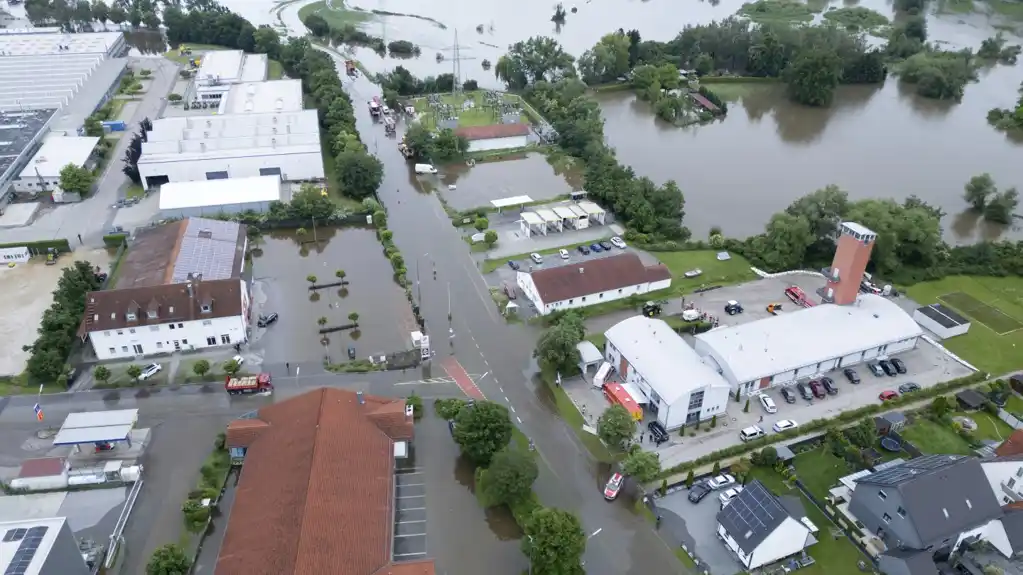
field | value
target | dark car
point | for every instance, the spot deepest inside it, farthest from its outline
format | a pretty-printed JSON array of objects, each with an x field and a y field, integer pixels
[
  {"x": 698, "y": 492},
  {"x": 897, "y": 364},
  {"x": 851, "y": 375},
  {"x": 513, "y": 265},
  {"x": 875, "y": 369},
  {"x": 788, "y": 394},
  {"x": 908, "y": 387},
  {"x": 817, "y": 389},
  {"x": 351, "y": 352},
  {"x": 265, "y": 320},
  {"x": 607, "y": 246},
  {"x": 804, "y": 391},
  {"x": 887, "y": 368},
  {"x": 657, "y": 432},
  {"x": 584, "y": 250},
  {"x": 829, "y": 385},
  {"x": 596, "y": 248}
]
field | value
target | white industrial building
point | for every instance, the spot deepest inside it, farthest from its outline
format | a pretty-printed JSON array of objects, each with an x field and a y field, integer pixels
[
  {"x": 674, "y": 383},
  {"x": 42, "y": 174},
  {"x": 40, "y": 547},
  {"x": 214, "y": 197},
  {"x": 591, "y": 282},
  {"x": 495, "y": 137},
  {"x": 806, "y": 343},
  {"x": 272, "y": 96},
  {"x": 21, "y": 133},
  {"x": 941, "y": 321},
  {"x": 189, "y": 149},
  {"x": 221, "y": 69}
]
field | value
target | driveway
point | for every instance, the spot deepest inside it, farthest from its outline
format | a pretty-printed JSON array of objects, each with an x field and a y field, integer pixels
[
  {"x": 695, "y": 526},
  {"x": 410, "y": 515}
]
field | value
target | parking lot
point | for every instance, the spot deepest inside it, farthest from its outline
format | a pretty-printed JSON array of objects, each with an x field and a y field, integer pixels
[
  {"x": 695, "y": 526},
  {"x": 410, "y": 515}
]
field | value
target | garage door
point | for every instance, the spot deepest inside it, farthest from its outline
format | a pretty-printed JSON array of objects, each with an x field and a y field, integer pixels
[
  {"x": 784, "y": 377},
  {"x": 216, "y": 175},
  {"x": 870, "y": 354},
  {"x": 828, "y": 365}
]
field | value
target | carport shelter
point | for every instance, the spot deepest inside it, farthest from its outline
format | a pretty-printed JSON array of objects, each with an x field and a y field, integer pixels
[
  {"x": 317, "y": 487},
  {"x": 513, "y": 201},
  {"x": 97, "y": 427},
  {"x": 970, "y": 399}
]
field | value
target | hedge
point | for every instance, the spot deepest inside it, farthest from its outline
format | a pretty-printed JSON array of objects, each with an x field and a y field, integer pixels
[
  {"x": 114, "y": 240},
  {"x": 61, "y": 245},
  {"x": 844, "y": 418}
]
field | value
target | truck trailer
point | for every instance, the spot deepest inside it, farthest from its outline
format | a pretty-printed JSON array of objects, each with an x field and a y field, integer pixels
[{"x": 249, "y": 384}]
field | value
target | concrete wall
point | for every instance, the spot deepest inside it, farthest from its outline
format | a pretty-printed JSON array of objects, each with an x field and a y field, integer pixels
[
  {"x": 492, "y": 144},
  {"x": 213, "y": 211},
  {"x": 525, "y": 282}
]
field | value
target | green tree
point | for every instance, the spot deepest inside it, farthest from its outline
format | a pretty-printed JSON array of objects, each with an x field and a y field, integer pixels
[
  {"x": 419, "y": 140},
  {"x": 447, "y": 146},
  {"x": 616, "y": 426},
  {"x": 322, "y": 321},
  {"x": 737, "y": 395},
  {"x": 740, "y": 469},
  {"x": 607, "y": 61},
  {"x": 554, "y": 542},
  {"x": 643, "y": 465},
  {"x": 556, "y": 348},
  {"x": 231, "y": 367},
  {"x": 359, "y": 173},
  {"x": 1002, "y": 206},
  {"x": 530, "y": 61},
  {"x": 168, "y": 559},
  {"x": 100, "y": 11},
  {"x": 416, "y": 402},
  {"x": 745, "y": 408},
  {"x": 134, "y": 372},
  {"x": 767, "y": 457},
  {"x": 863, "y": 434},
  {"x": 784, "y": 243},
  {"x": 76, "y": 180},
  {"x": 354, "y": 318},
  {"x": 703, "y": 65},
  {"x": 813, "y": 76},
  {"x": 309, "y": 203},
  {"x": 690, "y": 479},
  {"x": 510, "y": 477},
  {"x": 490, "y": 238},
  {"x": 58, "y": 326},
  {"x": 482, "y": 430},
  {"x": 940, "y": 406},
  {"x": 311, "y": 278},
  {"x": 151, "y": 20},
  {"x": 978, "y": 190},
  {"x": 101, "y": 374},
  {"x": 716, "y": 469},
  {"x": 201, "y": 367},
  {"x": 481, "y": 223},
  {"x": 340, "y": 274},
  {"x": 117, "y": 14},
  {"x": 267, "y": 41},
  {"x": 93, "y": 127}
]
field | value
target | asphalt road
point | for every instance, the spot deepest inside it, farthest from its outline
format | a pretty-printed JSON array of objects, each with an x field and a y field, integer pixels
[{"x": 484, "y": 344}]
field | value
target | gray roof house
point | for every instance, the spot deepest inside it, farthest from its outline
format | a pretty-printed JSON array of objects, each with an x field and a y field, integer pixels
[{"x": 761, "y": 528}]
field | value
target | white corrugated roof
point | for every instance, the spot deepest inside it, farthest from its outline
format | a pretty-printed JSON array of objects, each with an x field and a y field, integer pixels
[
  {"x": 178, "y": 195},
  {"x": 94, "y": 426},
  {"x": 532, "y": 219},
  {"x": 231, "y": 135},
  {"x": 262, "y": 97},
  {"x": 564, "y": 213},
  {"x": 548, "y": 216},
  {"x": 662, "y": 357},
  {"x": 507, "y": 202},
  {"x": 804, "y": 337},
  {"x": 589, "y": 352},
  {"x": 591, "y": 208},
  {"x": 223, "y": 64}
]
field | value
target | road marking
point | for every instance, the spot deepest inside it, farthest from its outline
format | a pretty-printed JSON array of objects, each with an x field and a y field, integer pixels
[
  {"x": 506, "y": 399},
  {"x": 461, "y": 377},
  {"x": 410, "y": 497},
  {"x": 413, "y": 509},
  {"x": 411, "y": 484},
  {"x": 519, "y": 419},
  {"x": 499, "y": 388},
  {"x": 411, "y": 535},
  {"x": 512, "y": 408},
  {"x": 437, "y": 380}
]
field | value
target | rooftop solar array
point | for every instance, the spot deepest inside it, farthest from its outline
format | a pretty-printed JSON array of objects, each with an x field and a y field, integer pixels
[
  {"x": 893, "y": 476},
  {"x": 752, "y": 516},
  {"x": 30, "y": 539},
  {"x": 208, "y": 247},
  {"x": 943, "y": 315}
]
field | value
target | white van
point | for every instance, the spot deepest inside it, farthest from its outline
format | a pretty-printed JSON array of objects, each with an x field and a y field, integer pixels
[
  {"x": 751, "y": 433},
  {"x": 425, "y": 169},
  {"x": 563, "y": 253},
  {"x": 536, "y": 258}
]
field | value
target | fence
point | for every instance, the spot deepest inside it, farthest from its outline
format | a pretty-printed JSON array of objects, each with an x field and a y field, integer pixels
[
  {"x": 834, "y": 519},
  {"x": 1009, "y": 418},
  {"x": 122, "y": 520},
  {"x": 908, "y": 447}
]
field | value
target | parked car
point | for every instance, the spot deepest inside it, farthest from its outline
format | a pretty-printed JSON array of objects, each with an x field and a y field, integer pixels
[
  {"x": 898, "y": 364},
  {"x": 238, "y": 359},
  {"x": 265, "y": 320},
  {"x": 596, "y": 248},
  {"x": 829, "y": 385},
  {"x": 563, "y": 253},
  {"x": 788, "y": 394},
  {"x": 606, "y": 245},
  {"x": 729, "y": 495},
  {"x": 908, "y": 387},
  {"x": 875, "y": 369},
  {"x": 733, "y": 307},
  {"x": 851, "y": 375},
  {"x": 817, "y": 389},
  {"x": 618, "y": 243},
  {"x": 584, "y": 250},
  {"x": 537, "y": 258},
  {"x": 513, "y": 265},
  {"x": 721, "y": 481},
  {"x": 614, "y": 486},
  {"x": 804, "y": 391},
  {"x": 887, "y": 395},
  {"x": 784, "y": 425},
  {"x": 657, "y": 432},
  {"x": 887, "y": 368},
  {"x": 150, "y": 370},
  {"x": 768, "y": 404},
  {"x": 698, "y": 492},
  {"x": 351, "y": 352}
]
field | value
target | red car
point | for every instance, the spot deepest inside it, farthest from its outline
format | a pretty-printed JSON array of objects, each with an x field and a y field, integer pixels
[
  {"x": 817, "y": 389},
  {"x": 887, "y": 395},
  {"x": 614, "y": 486}
]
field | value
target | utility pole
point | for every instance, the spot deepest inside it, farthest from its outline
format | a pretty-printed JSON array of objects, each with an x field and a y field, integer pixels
[{"x": 456, "y": 63}]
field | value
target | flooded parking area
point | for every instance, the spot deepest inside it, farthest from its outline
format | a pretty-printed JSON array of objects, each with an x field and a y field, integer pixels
[
  {"x": 525, "y": 174},
  {"x": 409, "y": 515},
  {"x": 284, "y": 262}
]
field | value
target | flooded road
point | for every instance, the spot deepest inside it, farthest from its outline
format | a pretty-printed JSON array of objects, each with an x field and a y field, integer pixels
[{"x": 518, "y": 175}]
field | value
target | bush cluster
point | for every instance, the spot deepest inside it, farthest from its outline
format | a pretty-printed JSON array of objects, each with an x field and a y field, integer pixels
[
  {"x": 211, "y": 480},
  {"x": 58, "y": 328},
  {"x": 62, "y": 246}
]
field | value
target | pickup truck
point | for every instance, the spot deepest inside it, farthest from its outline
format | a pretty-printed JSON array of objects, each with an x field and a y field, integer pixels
[{"x": 249, "y": 384}]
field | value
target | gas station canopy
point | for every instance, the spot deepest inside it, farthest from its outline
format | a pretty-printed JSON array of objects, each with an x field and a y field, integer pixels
[{"x": 96, "y": 427}]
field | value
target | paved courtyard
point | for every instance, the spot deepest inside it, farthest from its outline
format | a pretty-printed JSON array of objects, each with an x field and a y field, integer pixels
[
  {"x": 695, "y": 526},
  {"x": 410, "y": 515}
]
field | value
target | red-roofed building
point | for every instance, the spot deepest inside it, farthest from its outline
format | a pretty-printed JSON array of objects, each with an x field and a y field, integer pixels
[
  {"x": 42, "y": 473},
  {"x": 495, "y": 136}
]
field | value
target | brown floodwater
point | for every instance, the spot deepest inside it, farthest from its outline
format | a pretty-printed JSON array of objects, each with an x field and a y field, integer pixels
[{"x": 515, "y": 175}]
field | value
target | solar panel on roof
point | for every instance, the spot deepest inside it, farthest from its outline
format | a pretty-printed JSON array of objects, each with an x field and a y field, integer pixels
[
  {"x": 208, "y": 247},
  {"x": 14, "y": 535},
  {"x": 755, "y": 510},
  {"x": 912, "y": 468},
  {"x": 26, "y": 550}
]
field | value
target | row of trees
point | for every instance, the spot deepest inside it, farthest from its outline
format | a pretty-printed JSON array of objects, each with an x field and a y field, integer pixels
[
  {"x": 76, "y": 16},
  {"x": 1008, "y": 119},
  {"x": 57, "y": 330},
  {"x": 984, "y": 197}
]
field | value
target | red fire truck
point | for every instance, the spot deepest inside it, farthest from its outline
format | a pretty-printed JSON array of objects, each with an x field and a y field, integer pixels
[{"x": 249, "y": 384}]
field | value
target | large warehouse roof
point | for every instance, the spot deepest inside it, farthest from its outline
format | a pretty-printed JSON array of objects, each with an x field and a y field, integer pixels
[
  {"x": 261, "y": 97},
  {"x": 662, "y": 357},
  {"x": 230, "y": 66},
  {"x": 57, "y": 152},
  {"x": 52, "y": 42},
  {"x": 796, "y": 339},
  {"x": 232, "y": 191},
  {"x": 18, "y": 131}
]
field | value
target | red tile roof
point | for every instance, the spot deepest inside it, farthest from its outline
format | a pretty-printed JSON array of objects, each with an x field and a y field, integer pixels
[
  {"x": 242, "y": 432},
  {"x": 316, "y": 493},
  {"x": 493, "y": 131},
  {"x": 42, "y": 467},
  {"x": 1011, "y": 446},
  {"x": 109, "y": 309},
  {"x": 595, "y": 276}
]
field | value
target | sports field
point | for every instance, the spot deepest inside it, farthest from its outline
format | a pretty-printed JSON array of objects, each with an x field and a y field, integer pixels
[{"x": 995, "y": 309}]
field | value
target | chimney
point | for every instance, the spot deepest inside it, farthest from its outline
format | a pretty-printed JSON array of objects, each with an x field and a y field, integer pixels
[
  {"x": 188, "y": 282},
  {"x": 852, "y": 254},
  {"x": 409, "y": 412},
  {"x": 582, "y": 270},
  {"x": 362, "y": 400}
]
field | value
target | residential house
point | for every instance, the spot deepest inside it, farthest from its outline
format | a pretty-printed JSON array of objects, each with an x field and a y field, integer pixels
[
  {"x": 317, "y": 492},
  {"x": 1005, "y": 475},
  {"x": 761, "y": 528}
]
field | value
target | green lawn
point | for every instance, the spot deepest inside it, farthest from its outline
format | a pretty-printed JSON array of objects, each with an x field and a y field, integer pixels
[
  {"x": 990, "y": 426},
  {"x": 981, "y": 346},
  {"x": 335, "y": 18},
  {"x": 1014, "y": 405},
  {"x": 119, "y": 376},
  {"x": 134, "y": 191},
  {"x": 480, "y": 115},
  {"x": 575, "y": 420},
  {"x": 330, "y": 174},
  {"x": 733, "y": 271},
  {"x": 820, "y": 470},
  {"x": 175, "y": 54},
  {"x": 934, "y": 439}
]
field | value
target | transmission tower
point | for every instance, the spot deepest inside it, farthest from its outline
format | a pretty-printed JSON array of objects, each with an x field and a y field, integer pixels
[{"x": 456, "y": 62}]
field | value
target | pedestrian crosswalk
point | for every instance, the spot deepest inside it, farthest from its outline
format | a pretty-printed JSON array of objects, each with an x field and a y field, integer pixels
[{"x": 436, "y": 381}]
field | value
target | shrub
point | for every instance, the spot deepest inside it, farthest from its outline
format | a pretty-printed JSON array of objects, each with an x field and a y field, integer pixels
[{"x": 115, "y": 240}]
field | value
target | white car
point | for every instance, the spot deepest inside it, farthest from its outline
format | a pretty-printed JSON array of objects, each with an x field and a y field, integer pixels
[
  {"x": 238, "y": 359},
  {"x": 563, "y": 253},
  {"x": 723, "y": 480},
  {"x": 536, "y": 258},
  {"x": 150, "y": 370},
  {"x": 618, "y": 243},
  {"x": 729, "y": 495},
  {"x": 784, "y": 425},
  {"x": 768, "y": 404}
]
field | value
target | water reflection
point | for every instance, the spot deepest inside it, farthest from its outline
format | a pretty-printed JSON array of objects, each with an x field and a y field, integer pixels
[{"x": 517, "y": 174}]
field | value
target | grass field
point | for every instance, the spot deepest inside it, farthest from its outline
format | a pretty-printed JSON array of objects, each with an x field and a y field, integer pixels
[
  {"x": 820, "y": 470},
  {"x": 733, "y": 271},
  {"x": 334, "y": 16},
  {"x": 934, "y": 439},
  {"x": 989, "y": 347},
  {"x": 479, "y": 115}
]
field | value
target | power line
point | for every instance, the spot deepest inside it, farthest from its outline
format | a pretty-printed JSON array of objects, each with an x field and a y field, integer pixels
[{"x": 456, "y": 62}]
